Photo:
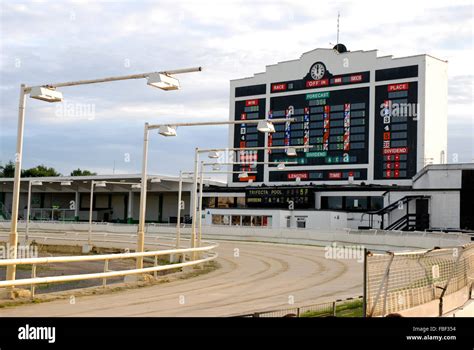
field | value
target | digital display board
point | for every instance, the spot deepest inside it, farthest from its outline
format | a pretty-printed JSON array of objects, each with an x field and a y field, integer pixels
[
  {"x": 396, "y": 115},
  {"x": 302, "y": 197},
  {"x": 310, "y": 81},
  {"x": 335, "y": 123},
  {"x": 247, "y": 136},
  {"x": 319, "y": 175},
  {"x": 331, "y": 114}
]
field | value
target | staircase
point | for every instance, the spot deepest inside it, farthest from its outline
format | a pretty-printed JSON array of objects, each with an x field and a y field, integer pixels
[{"x": 408, "y": 222}]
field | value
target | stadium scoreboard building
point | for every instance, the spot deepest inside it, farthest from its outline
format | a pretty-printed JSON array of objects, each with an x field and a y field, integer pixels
[{"x": 366, "y": 118}]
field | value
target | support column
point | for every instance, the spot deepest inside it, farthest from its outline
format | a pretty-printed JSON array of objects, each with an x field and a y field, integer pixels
[
  {"x": 191, "y": 201},
  {"x": 77, "y": 205},
  {"x": 160, "y": 207},
  {"x": 130, "y": 207}
]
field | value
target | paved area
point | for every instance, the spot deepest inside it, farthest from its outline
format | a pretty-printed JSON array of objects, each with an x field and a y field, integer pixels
[
  {"x": 253, "y": 277},
  {"x": 467, "y": 310}
]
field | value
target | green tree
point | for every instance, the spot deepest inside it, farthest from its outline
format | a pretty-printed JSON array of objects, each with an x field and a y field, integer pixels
[
  {"x": 79, "y": 172},
  {"x": 39, "y": 171},
  {"x": 7, "y": 170}
]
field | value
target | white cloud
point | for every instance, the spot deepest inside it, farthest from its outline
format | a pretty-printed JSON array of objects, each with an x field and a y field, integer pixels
[{"x": 55, "y": 41}]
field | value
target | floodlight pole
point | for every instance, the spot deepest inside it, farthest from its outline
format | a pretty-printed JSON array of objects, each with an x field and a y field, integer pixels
[
  {"x": 178, "y": 219},
  {"x": 13, "y": 239},
  {"x": 195, "y": 188},
  {"x": 148, "y": 127},
  {"x": 24, "y": 90},
  {"x": 91, "y": 203},
  {"x": 194, "y": 213},
  {"x": 201, "y": 181},
  {"x": 142, "y": 217},
  {"x": 27, "y": 229}
]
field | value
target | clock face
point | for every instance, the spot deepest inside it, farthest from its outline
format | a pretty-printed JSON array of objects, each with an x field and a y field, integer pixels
[{"x": 317, "y": 71}]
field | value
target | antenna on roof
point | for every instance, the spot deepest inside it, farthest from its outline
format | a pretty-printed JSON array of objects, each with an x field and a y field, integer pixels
[{"x": 341, "y": 48}]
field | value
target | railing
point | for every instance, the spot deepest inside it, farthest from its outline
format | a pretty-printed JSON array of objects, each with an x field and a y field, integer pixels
[
  {"x": 33, "y": 281},
  {"x": 351, "y": 307},
  {"x": 373, "y": 239},
  {"x": 425, "y": 283}
]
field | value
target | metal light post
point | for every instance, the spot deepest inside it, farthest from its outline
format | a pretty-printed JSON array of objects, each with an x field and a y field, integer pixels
[
  {"x": 180, "y": 206},
  {"x": 201, "y": 185},
  {"x": 169, "y": 129},
  {"x": 91, "y": 203},
  {"x": 28, "y": 211},
  {"x": 178, "y": 218},
  {"x": 280, "y": 165},
  {"x": 291, "y": 151},
  {"x": 13, "y": 238},
  {"x": 48, "y": 93},
  {"x": 27, "y": 229}
]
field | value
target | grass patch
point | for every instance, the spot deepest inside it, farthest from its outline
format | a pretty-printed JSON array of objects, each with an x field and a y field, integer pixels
[
  {"x": 87, "y": 291},
  {"x": 346, "y": 309},
  {"x": 28, "y": 267}
]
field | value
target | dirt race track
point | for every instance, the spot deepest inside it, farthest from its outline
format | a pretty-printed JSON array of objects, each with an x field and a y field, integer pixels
[{"x": 263, "y": 276}]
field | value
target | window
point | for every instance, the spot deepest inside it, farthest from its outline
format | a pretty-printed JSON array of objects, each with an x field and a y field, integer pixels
[
  {"x": 226, "y": 219},
  {"x": 235, "y": 220},
  {"x": 209, "y": 202},
  {"x": 220, "y": 219},
  {"x": 331, "y": 203},
  {"x": 352, "y": 203},
  {"x": 356, "y": 203},
  {"x": 266, "y": 221},
  {"x": 225, "y": 202},
  {"x": 246, "y": 220},
  {"x": 256, "y": 221},
  {"x": 217, "y": 219},
  {"x": 301, "y": 221},
  {"x": 240, "y": 202},
  {"x": 376, "y": 203}
]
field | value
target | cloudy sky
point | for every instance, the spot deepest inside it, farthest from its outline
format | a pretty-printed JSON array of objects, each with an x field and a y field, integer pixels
[{"x": 99, "y": 125}]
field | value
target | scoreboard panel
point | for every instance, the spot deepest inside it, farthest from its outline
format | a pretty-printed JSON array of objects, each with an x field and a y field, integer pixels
[
  {"x": 247, "y": 136},
  {"x": 395, "y": 131},
  {"x": 335, "y": 123},
  {"x": 301, "y": 197},
  {"x": 357, "y": 111}
]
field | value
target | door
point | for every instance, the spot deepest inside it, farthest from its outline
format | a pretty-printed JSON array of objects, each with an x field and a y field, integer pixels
[{"x": 422, "y": 214}]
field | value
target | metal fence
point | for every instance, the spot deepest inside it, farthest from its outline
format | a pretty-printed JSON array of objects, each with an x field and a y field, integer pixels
[
  {"x": 352, "y": 307},
  {"x": 203, "y": 254},
  {"x": 51, "y": 214},
  {"x": 399, "y": 281}
]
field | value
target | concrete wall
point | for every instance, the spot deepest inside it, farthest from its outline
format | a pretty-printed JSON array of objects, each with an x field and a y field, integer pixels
[
  {"x": 434, "y": 120},
  {"x": 119, "y": 207},
  {"x": 320, "y": 219},
  {"x": 170, "y": 205},
  {"x": 431, "y": 309},
  {"x": 372, "y": 239},
  {"x": 444, "y": 207},
  {"x": 437, "y": 178}
]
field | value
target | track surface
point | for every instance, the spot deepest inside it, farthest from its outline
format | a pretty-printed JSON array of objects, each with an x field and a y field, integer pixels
[{"x": 262, "y": 276}]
